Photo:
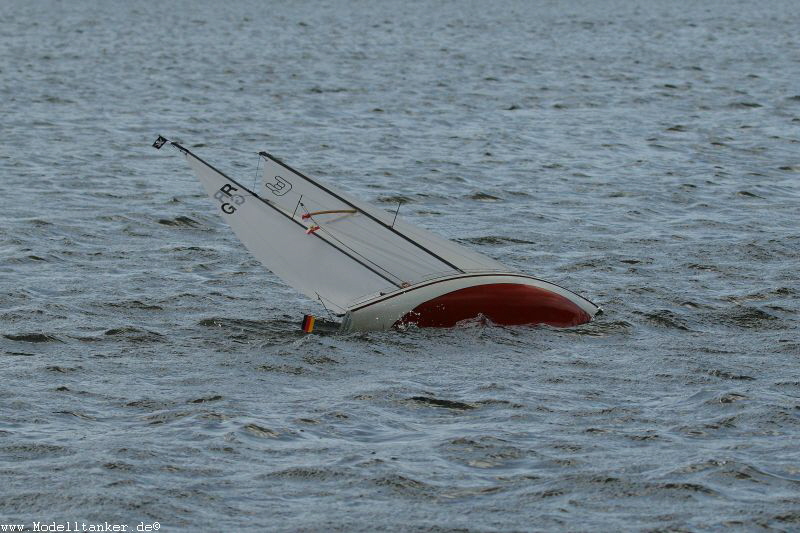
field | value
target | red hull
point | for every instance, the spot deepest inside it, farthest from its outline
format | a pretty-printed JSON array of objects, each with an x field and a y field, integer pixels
[{"x": 508, "y": 304}]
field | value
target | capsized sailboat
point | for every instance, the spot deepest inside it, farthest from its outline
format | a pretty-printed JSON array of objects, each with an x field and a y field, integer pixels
[{"x": 370, "y": 268}]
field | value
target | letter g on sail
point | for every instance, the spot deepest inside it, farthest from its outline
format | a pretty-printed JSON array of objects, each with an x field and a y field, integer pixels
[
  {"x": 280, "y": 187},
  {"x": 225, "y": 195}
]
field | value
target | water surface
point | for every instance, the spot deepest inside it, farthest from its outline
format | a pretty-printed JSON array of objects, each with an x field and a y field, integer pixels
[{"x": 640, "y": 153}]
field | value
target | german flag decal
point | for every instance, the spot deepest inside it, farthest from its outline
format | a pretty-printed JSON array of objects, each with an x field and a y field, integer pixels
[{"x": 308, "y": 323}]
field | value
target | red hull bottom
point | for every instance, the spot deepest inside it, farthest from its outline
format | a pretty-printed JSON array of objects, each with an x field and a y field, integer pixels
[{"x": 508, "y": 304}]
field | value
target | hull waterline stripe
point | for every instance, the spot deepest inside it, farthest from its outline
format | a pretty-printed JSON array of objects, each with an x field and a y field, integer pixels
[
  {"x": 266, "y": 202},
  {"x": 385, "y": 225},
  {"x": 489, "y": 274}
]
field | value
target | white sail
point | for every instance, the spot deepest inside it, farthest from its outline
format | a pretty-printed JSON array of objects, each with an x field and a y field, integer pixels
[
  {"x": 310, "y": 263},
  {"x": 410, "y": 253},
  {"x": 326, "y": 244}
]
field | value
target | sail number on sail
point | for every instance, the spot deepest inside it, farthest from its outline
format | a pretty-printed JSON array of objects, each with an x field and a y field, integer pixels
[{"x": 280, "y": 187}]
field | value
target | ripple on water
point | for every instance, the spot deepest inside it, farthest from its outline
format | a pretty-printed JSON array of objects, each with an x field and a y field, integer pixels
[{"x": 153, "y": 369}]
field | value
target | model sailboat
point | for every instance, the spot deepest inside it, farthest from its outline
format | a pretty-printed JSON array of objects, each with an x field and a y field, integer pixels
[{"x": 367, "y": 266}]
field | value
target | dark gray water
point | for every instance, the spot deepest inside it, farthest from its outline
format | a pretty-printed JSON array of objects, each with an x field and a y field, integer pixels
[{"x": 644, "y": 154}]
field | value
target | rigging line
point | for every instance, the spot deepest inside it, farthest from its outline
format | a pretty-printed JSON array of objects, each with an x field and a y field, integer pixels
[
  {"x": 299, "y": 203},
  {"x": 310, "y": 216},
  {"x": 395, "y": 213},
  {"x": 330, "y": 212},
  {"x": 279, "y": 210},
  {"x": 330, "y": 315},
  {"x": 256, "y": 176},
  {"x": 334, "y": 237},
  {"x": 390, "y": 228}
]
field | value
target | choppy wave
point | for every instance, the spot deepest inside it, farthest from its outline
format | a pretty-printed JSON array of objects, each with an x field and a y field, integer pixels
[{"x": 643, "y": 155}]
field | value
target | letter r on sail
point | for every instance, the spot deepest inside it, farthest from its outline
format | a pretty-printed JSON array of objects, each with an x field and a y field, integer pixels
[{"x": 227, "y": 188}]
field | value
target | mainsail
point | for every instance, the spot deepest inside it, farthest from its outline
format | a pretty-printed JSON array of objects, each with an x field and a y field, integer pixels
[
  {"x": 325, "y": 243},
  {"x": 412, "y": 252}
]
